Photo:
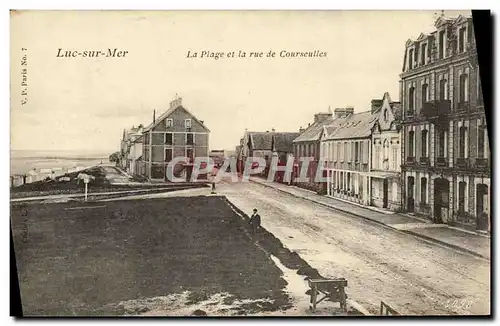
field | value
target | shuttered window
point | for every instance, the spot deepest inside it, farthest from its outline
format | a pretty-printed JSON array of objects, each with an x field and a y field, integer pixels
[{"x": 366, "y": 145}]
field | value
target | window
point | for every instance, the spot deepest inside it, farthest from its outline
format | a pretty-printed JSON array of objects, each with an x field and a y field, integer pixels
[
  {"x": 168, "y": 154},
  {"x": 462, "y": 141},
  {"x": 423, "y": 191},
  {"x": 441, "y": 44},
  {"x": 424, "y": 143},
  {"x": 424, "y": 53},
  {"x": 361, "y": 150},
  {"x": 479, "y": 89},
  {"x": 187, "y": 123},
  {"x": 339, "y": 152},
  {"x": 425, "y": 91},
  {"x": 410, "y": 59},
  {"x": 394, "y": 157},
  {"x": 189, "y": 138},
  {"x": 366, "y": 151},
  {"x": 443, "y": 89},
  {"x": 344, "y": 157},
  {"x": 356, "y": 151},
  {"x": 461, "y": 40},
  {"x": 169, "y": 138},
  {"x": 411, "y": 99},
  {"x": 462, "y": 188},
  {"x": 170, "y": 123},
  {"x": 351, "y": 154},
  {"x": 441, "y": 143},
  {"x": 481, "y": 130},
  {"x": 386, "y": 149},
  {"x": 411, "y": 140},
  {"x": 386, "y": 115},
  {"x": 464, "y": 88}
]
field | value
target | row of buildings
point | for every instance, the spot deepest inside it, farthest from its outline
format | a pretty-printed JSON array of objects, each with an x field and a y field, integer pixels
[{"x": 427, "y": 153}]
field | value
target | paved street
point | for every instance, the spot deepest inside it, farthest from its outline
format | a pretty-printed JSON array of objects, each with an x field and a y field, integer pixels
[{"x": 413, "y": 276}]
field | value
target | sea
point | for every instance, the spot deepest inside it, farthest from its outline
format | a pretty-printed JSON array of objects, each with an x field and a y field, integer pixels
[{"x": 24, "y": 161}]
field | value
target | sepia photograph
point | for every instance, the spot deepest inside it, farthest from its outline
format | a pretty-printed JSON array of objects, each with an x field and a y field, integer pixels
[{"x": 244, "y": 163}]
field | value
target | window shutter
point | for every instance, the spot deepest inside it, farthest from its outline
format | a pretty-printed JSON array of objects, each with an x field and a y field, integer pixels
[{"x": 366, "y": 145}]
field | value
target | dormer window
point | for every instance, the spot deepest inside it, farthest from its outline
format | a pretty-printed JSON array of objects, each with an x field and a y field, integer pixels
[
  {"x": 187, "y": 123},
  {"x": 462, "y": 39},
  {"x": 410, "y": 59},
  {"x": 424, "y": 54},
  {"x": 442, "y": 38}
]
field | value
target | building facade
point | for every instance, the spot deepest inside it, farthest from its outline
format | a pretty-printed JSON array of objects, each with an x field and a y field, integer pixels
[
  {"x": 347, "y": 151},
  {"x": 176, "y": 133},
  {"x": 308, "y": 144},
  {"x": 385, "y": 171},
  {"x": 446, "y": 156},
  {"x": 131, "y": 150}
]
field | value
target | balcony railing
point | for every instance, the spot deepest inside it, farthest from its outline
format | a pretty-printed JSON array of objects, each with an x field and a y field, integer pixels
[
  {"x": 463, "y": 106},
  {"x": 436, "y": 108},
  {"x": 424, "y": 160},
  {"x": 410, "y": 113},
  {"x": 462, "y": 162},
  {"x": 441, "y": 161},
  {"x": 410, "y": 160},
  {"x": 481, "y": 162}
]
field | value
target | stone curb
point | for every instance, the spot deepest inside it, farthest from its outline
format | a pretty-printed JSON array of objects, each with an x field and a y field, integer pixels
[{"x": 416, "y": 235}]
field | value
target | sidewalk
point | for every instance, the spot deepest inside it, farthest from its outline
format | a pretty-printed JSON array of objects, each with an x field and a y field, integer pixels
[{"x": 442, "y": 234}]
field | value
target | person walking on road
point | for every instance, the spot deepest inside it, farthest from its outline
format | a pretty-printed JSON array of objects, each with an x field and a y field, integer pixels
[{"x": 255, "y": 221}]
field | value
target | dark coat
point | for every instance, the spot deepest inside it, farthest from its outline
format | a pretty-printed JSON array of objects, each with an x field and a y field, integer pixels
[{"x": 255, "y": 219}]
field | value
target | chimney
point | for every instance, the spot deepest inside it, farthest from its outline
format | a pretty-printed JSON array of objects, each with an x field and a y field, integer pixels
[
  {"x": 308, "y": 125},
  {"x": 318, "y": 117},
  {"x": 339, "y": 113},
  {"x": 273, "y": 130},
  {"x": 301, "y": 130},
  {"x": 376, "y": 103},
  {"x": 201, "y": 121},
  {"x": 349, "y": 110},
  {"x": 154, "y": 116}
]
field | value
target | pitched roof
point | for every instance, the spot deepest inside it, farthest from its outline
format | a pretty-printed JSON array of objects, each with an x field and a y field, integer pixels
[
  {"x": 169, "y": 112},
  {"x": 283, "y": 141},
  {"x": 357, "y": 125},
  {"x": 261, "y": 140},
  {"x": 314, "y": 131}
]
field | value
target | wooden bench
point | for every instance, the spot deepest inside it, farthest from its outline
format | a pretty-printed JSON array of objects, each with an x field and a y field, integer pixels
[
  {"x": 332, "y": 289},
  {"x": 385, "y": 310}
]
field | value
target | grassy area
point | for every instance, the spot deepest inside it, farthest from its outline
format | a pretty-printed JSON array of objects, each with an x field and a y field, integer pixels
[{"x": 85, "y": 261}]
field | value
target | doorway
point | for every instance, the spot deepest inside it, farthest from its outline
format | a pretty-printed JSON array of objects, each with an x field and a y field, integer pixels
[
  {"x": 386, "y": 193},
  {"x": 441, "y": 199},
  {"x": 411, "y": 195},
  {"x": 482, "y": 207}
]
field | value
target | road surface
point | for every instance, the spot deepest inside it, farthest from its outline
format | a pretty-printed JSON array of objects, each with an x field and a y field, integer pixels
[{"x": 412, "y": 276}]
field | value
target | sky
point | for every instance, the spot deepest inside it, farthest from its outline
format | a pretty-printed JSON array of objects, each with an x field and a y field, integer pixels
[{"x": 83, "y": 104}]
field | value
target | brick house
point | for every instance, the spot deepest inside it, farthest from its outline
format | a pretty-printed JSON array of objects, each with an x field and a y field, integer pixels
[
  {"x": 446, "y": 155},
  {"x": 265, "y": 145},
  {"x": 176, "y": 133}
]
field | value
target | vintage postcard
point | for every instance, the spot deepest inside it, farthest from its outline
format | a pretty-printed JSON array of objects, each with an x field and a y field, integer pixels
[{"x": 249, "y": 163}]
